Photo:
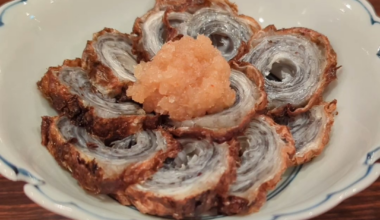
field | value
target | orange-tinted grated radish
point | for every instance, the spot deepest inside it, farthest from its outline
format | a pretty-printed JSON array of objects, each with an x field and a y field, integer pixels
[{"x": 187, "y": 78}]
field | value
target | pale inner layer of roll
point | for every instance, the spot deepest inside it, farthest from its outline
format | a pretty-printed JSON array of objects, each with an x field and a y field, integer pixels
[
  {"x": 307, "y": 129},
  {"x": 77, "y": 80},
  {"x": 116, "y": 52},
  {"x": 152, "y": 33},
  {"x": 261, "y": 158},
  {"x": 292, "y": 66},
  {"x": 247, "y": 95},
  {"x": 114, "y": 159},
  {"x": 196, "y": 169},
  {"x": 224, "y": 29}
]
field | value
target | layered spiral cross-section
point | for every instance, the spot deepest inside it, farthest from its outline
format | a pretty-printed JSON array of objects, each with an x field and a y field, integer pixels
[
  {"x": 248, "y": 83},
  {"x": 69, "y": 91},
  {"x": 311, "y": 130},
  {"x": 188, "y": 185},
  {"x": 217, "y": 19},
  {"x": 265, "y": 154},
  {"x": 297, "y": 63},
  {"x": 150, "y": 30},
  {"x": 106, "y": 169},
  {"x": 109, "y": 61}
]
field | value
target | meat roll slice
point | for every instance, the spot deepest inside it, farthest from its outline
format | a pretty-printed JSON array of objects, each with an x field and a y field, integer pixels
[
  {"x": 70, "y": 92},
  {"x": 217, "y": 19},
  {"x": 266, "y": 152},
  {"x": 109, "y": 61},
  {"x": 311, "y": 130},
  {"x": 102, "y": 169},
  {"x": 248, "y": 83},
  {"x": 188, "y": 185},
  {"x": 151, "y": 31},
  {"x": 298, "y": 64}
]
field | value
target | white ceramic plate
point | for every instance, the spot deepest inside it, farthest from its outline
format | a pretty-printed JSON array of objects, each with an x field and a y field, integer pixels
[{"x": 36, "y": 34}]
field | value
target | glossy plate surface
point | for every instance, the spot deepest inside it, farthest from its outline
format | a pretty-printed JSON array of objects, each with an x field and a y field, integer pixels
[{"x": 36, "y": 34}]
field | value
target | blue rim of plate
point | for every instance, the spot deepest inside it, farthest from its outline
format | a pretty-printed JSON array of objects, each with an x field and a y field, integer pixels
[
  {"x": 8, "y": 6},
  {"x": 20, "y": 172}
]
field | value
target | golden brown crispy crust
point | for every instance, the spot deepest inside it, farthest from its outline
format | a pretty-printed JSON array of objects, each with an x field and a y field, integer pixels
[
  {"x": 223, "y": 135},
  {"x": 328, "y": 74},
  {"x": 100, "y": 74},
  {"x": 191, "y": 6},
  {"x": 193, "y": 206},
  {"x": 71, "y": 105},
  {"x": 243, "y": 50},
  {"x": 141, "y": 54},
  {"x": 218, "y": 136},
  {"x": 232, "y": 205},
  {"x": 329, "y": 111},
  {"x": 137, "y": 45},
  {"x": 121, "y": 198},
  {"x": 253, "y": 24},
  {"x": 181, "y": 4},
  {"x": 90, "y": 174}
]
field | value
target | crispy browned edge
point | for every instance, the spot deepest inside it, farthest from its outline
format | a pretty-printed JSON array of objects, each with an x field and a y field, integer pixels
[
  {"x": 329, "y": 111},
  {"x": 181, "y": 6},
  {"x": 232, "y": 205},
  {"x": 100, "y": 74},
  {"x": 227, "y": 134},
  {"x": 90, "y": 174},
  {"x": 192, "y": 206},
  {"x": 329, "y": 72},
  {"x": 71, "y": 105}
]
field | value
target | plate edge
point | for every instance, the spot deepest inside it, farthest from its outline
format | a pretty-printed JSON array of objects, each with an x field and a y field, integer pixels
[
  {"x": 6, "y": 7},
  {"x": 24, "y": 175}
]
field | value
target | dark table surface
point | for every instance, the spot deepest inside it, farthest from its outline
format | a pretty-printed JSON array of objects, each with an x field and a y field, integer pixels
[{"x": 15, "y": 205}]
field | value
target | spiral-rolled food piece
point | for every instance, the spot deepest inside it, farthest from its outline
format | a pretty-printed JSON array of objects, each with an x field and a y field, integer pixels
[
  {"x": 266, "y": 152},
  {"x": 109, "y": 61},
  {"x": 248, "y": 83},
  {"x": 150, "y": 30},
  {"x": 298, "y": 64},
  {"x": 217, "y": 19},
  {"x": 311, "y": 130},
  {"x": 69, "y": 91},
  {"x": 188, "y": 185},
  {"x": 106, "y": 169}
]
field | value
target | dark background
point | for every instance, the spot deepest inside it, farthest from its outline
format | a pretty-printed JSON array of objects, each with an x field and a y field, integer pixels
[{"x": 15, "y": 205}]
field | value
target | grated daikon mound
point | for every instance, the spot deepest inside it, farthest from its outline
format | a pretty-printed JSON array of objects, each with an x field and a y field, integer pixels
[{"x": 186, "y": 79}]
